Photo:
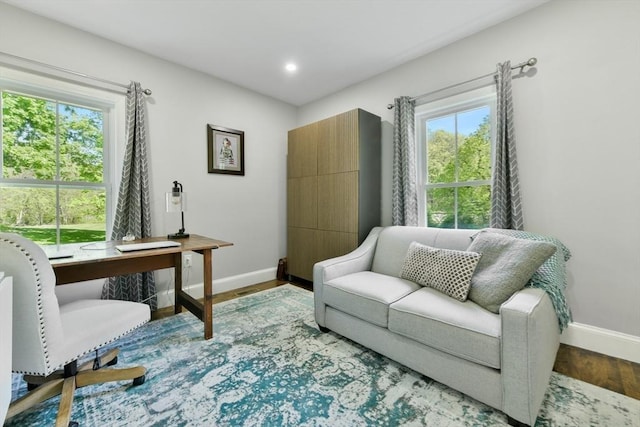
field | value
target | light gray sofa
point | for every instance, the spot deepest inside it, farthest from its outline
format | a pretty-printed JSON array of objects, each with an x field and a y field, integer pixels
[{"x": 503, "y": 360}]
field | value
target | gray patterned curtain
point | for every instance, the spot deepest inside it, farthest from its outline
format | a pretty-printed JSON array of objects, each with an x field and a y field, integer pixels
[
  {"x": 133, "y": 213},
  {"x": 506, "y": 207},
  {"x": 404, "y": 203}
]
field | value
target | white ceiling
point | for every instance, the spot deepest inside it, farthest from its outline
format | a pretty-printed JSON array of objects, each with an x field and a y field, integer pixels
[{"x": 336, "y": 43}]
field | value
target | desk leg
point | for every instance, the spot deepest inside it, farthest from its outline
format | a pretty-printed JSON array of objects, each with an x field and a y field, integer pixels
[
  {"x": 207, "y": 315},
  {"x": 177, "y": 307}
]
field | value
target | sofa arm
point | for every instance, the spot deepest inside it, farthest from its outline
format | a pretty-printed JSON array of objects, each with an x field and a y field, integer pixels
[
  {"x": 530, "y": 341},
  {"x": 360, "y": 259}
]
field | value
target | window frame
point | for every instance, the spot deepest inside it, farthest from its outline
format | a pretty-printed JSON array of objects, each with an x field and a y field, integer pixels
[
  {"x": 448, "y": 105},
  {"x": 27, "y": 84}
]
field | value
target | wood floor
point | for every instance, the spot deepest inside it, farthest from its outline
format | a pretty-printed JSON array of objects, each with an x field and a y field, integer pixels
[{"x": 604, "y": 371}]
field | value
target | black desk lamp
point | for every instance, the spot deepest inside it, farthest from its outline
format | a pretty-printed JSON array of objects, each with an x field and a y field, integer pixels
[{"x": 177, "y": 202}]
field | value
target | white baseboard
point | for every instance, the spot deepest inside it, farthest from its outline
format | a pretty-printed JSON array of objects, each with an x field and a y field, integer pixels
[
  {"x": 605, "y": 341},
  {"x": 196, "y": 290}
]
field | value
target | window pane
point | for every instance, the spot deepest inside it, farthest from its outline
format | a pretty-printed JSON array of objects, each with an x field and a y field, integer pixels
[
  {"x": 474, "y": 145},
  {"x": 30, "y": 212},
  {"x": 457, "y": 136},
  {"x": 57, "y": 142},
  {"x": 441, "y": 150},
  {"x": 28, "y": 137},
  {"x": 441, "y": 207},
  {"x": 82, "y": 215},
  {"x": 474, "y": 206},
  {"x": 81, "y": 144}
]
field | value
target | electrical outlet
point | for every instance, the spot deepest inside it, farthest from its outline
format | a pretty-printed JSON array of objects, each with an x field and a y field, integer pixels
[{"x": 188, "y": 261}]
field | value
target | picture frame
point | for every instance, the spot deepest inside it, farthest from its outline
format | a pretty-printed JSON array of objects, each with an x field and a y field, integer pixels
[{"x": 225, "y": 150}]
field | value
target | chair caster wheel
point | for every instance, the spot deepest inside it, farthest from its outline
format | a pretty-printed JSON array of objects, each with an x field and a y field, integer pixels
[
  {"x": 113, "y": 361},
  {"x": 139, "y": 380}
]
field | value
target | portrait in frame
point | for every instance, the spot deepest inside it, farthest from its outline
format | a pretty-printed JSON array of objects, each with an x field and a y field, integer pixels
[{"x": 225, "y": 149}]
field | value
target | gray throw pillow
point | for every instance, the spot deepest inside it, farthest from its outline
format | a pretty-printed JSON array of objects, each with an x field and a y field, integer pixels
[
  {"x": 449, "y": 271},
  {"x": 506, "y": 266},
  {"x": 551, "y": 276}
]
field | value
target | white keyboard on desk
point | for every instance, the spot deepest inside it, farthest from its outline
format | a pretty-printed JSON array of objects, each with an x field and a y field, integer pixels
[{"x": 147, "y": 245}]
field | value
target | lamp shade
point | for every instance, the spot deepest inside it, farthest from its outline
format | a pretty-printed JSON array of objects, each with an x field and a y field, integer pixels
[{"x": 176, "y": 201}]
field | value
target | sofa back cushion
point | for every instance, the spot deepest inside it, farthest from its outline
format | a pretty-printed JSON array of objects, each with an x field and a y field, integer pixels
[{"x": 393, "y": 244}]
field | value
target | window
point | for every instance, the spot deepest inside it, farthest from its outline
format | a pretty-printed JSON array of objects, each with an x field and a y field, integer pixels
[
  {"x": 456, "y": 144},
  {"x": 53, "y": 165}
]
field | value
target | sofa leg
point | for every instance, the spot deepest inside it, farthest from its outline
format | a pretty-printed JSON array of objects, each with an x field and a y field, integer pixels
[
  {"x": 323, "y": 329},
  {"x": 515, "y": 423}
]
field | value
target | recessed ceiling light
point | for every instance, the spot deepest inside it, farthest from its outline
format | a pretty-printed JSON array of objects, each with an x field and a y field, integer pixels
[{"x": 291, "y": 67}]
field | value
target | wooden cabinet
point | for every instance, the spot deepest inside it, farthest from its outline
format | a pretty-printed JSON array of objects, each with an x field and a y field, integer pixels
[{"x": 333, "y": 188}]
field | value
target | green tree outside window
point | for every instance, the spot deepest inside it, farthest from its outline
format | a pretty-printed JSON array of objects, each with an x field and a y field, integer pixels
[
  {"x": 50, "y": 152},
  {"x": 458, "y": 168}
]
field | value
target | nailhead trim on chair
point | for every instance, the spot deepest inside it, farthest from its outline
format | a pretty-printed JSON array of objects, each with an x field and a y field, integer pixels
[
  {"x": 39, "y": 305},
  {"x": 106, "y": 342}
]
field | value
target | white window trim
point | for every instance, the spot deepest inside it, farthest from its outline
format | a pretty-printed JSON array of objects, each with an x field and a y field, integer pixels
[
  {"x": 113, "y": 106},
  {"x": 441, "y": 107}
]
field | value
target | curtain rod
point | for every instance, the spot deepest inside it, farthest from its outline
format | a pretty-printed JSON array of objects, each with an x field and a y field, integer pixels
[
  {"x": 530, "y": 63},
  {"x": 64, "y": 70}
]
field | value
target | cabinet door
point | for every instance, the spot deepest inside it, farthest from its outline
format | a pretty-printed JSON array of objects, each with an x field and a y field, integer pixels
[
  {"x": 338, "y": 143},
  {"x": 338, "y": 202},
  {"x": 330, "y": 244},
  {"x": 302, "y": 151},
  {"x": 301, "y": 248},
  {"x": 302, "y": 202}
]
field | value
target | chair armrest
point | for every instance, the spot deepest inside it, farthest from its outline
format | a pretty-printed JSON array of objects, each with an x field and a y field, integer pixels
[
  {"x": 360, "y": 259},
  {"x": 530, "y": 341}
]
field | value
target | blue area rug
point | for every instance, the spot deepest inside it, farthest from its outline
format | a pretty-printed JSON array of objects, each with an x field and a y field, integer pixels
[{"x": 268, "y": 365}]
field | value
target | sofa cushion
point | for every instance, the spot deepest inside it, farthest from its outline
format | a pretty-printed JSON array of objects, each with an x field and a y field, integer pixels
[
  {"x": 506, "y": 266},
  {"x": 366, "y": 295},
  {"x": 393, "y": 243},
  {"x": 446, "y": 270},
  {"x": 462, "y": 329}
]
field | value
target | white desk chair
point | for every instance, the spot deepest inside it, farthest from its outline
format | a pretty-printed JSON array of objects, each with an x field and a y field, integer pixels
[
  {"x": 6, "y": 302},
  {"x": 48, "y": 339}
]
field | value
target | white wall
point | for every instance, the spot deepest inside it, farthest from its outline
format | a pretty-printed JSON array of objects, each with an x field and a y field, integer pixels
[
  {"x": 248, "y": 211},
  {"x": 577, "y": 133}
]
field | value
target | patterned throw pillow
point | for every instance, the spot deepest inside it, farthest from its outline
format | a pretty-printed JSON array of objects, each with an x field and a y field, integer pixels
[{"x": 446, "y": 270}]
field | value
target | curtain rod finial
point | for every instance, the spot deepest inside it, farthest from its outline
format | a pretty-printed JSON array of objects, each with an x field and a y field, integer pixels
[{"x": 145, "y": 91}]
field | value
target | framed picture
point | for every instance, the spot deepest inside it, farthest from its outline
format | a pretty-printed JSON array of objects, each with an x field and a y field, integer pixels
[{"x": 225, "y": 148}]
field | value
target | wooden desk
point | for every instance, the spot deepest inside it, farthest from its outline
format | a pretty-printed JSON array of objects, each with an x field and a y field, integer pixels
[{"x": 102, "y": 259}]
